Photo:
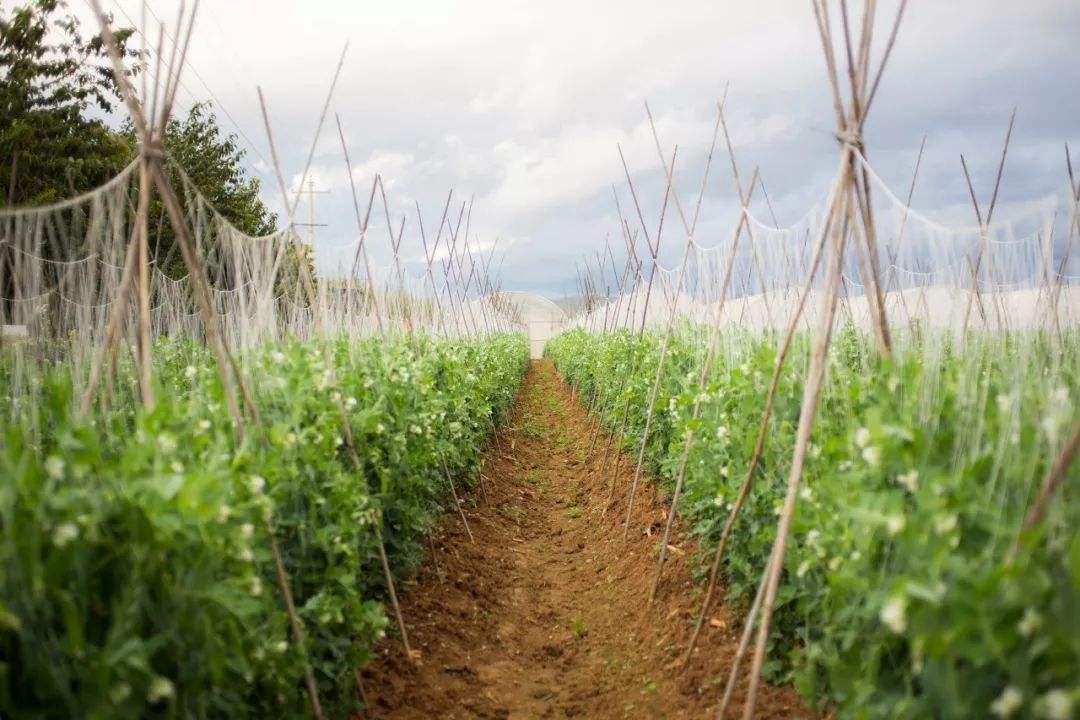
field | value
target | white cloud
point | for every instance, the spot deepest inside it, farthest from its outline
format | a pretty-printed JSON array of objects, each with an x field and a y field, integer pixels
[{"x": 520, "y": 105}]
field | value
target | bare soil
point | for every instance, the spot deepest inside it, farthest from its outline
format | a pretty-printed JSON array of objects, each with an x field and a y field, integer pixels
[{"x": 544, "y": 613}]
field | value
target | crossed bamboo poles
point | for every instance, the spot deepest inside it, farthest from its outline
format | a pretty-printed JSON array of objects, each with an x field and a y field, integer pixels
[{"x": 849, "y": 226}]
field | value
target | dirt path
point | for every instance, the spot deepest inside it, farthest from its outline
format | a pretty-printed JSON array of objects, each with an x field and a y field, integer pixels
[{"x": 544, "y": 614}]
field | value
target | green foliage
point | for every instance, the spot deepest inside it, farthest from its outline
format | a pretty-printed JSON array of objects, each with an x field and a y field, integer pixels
[
  {"x": 137, "y": 580},
  {"x": 57, "y": 87},
  {"x": 897, "y": 600},
  {"x": 214, "y": 164},
  {"x": 52, "y": 79}
]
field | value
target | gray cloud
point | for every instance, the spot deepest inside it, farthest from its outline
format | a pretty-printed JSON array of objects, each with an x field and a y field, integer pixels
[{"x": 520, "y": 105}]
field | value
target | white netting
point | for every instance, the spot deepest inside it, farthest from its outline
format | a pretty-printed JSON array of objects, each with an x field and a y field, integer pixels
[
  {"x": 1018, "y": 273},
  {"x": 61, "y": 267}
]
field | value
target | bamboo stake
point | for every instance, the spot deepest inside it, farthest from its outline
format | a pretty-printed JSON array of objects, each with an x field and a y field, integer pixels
[
  {"x": 849, "y": 134},
  {"x": 984, "y": 227},
  {"x": 308, "y": 285},
  {"x": 759, "y": 442},
  {"x": 146, "y": 388},
  {"x": 1054, "y": 477},
  {"x": 295, "y": 625},
  {"x": 812, "y": 390}
]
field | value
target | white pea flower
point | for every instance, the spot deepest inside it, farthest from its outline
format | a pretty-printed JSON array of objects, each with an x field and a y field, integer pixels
[
  {"x": 204, "y": 425},
  {"x": 894, "y": 614},
  {"x": 872, "y": 455},
  {"x": 247, "y": 530},
  {"x": 1057, "y": 705},
  {"x": 245, "y": 554},
  {"x": 1007, "y": 702},
  {"x": 721, "y": 432},
  {"x": 803, "y": 568},
  {"x": 862, "y": 437},
  {"x": 224, "y": 512},
  {"x": 335, "y": 396},
  {"x": 856, "y": 555},
  {"x": 280, "y": 647},
  {"x": 894, "y": 524},
  {"x": 256, "y": 587},
  {"x": 909, "y": 480},
  {"x": 718, "y": 501},
  {"x": 917, "y": 660},
  {"x": 350, "y": 403},
  {"x": 945, "y": 524},
  {"x": 1031, "y": 622},
  {"x": 160, "y": 689},
  {"x": 166, "y": 443},
  {"x": 190, "y": 372},
  {"x": 256, "y": 484},
  {"x": 54, "y": 466},
  {"x": 338, "y": 441},
  {"x": 65, "y": 533},
  {"x": 1050, "y": 426},
  {"x": 177, "y": 467},
  {"x": 805, "y": 493},
  {"x": 278, "y": 357},
  {"x": 290, "y": 439}
]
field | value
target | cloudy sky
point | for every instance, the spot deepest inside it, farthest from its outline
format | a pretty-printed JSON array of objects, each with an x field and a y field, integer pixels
[{"x": 520, "y": 107}]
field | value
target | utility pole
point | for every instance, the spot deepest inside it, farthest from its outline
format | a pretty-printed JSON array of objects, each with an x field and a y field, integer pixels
[{"x": 311, "y": 192}]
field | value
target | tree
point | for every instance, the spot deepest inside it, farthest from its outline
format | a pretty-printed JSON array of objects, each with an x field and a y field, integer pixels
[
  {"x": 55, "y": 89},
  {"x": 51, "y": 78},
  {"x": 213, "y": 163}
]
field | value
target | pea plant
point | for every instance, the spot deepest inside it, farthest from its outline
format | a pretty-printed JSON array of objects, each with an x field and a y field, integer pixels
[
  {"x": 137, "y": 576},
  {"x": 910, "y": 589}
]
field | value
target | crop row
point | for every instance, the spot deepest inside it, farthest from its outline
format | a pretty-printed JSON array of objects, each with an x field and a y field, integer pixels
[
  {"x": 908, "y": 590},
  {"x": 137, "y": 579}
]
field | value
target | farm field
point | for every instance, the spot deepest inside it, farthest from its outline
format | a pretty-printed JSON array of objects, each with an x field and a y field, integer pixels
[{"x": 519, "y": 361}]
